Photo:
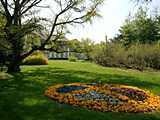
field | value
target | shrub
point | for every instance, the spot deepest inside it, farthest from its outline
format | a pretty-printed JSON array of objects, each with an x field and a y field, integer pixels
[
  {"x": 4, "y": 76},
  {"x": 37, "y": 58},
  {"x": 109, "y": 55},
  {"x": 72, "y": 58},
  {"x": 141, "y": 56},
  {"x": 137, "y": 56}
]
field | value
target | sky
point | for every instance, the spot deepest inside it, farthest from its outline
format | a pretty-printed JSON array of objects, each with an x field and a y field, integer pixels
[{"x": 114, "y": 13}]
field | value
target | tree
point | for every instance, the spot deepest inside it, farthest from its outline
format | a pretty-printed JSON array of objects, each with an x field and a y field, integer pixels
[
  {"x": 75, "y": 45},
  {"x": 127, "y": 33},
  {"x": 143, "y": 1},
  {"x": 21, "y": 20},
  {"x": 140, "y": 28},
  {"x": 87, "y": 47}
]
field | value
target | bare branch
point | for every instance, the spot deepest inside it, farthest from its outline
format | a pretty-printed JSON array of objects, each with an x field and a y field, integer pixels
[
  {"x": 23, "y": 3},
  {"x": 30, "y": 6},
  {"x": 7, "y": 13},
  {"x": 40, "y": 6},
  {"x": 71, "y": 4},
  {"x": 75, "y": 20}
]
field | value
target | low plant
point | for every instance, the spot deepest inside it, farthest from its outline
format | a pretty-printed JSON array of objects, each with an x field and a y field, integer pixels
[
  {"x": 72, "y": 58},
  {"x": 37, "y": 58},
  {"x": 4, "y": 76}
]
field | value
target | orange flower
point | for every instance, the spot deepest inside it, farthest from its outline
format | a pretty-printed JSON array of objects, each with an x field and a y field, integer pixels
[{"x": 105, "y": 97}]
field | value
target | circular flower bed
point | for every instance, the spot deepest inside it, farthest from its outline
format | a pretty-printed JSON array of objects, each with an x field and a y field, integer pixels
[{"x": 105, "y": 97}]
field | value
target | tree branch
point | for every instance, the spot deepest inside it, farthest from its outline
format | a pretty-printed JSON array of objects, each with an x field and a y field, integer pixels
[
  {"x": 38, "y": 48},
  {"x": 30, "y": 6},
  {"x": 73, "y": 21},
  {"x": 55, "y": 22},
  {"x": 54, "y": 50},
  {"x": 7, "y": 13}
]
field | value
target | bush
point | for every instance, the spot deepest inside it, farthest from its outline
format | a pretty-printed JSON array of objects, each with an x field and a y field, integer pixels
[
  {"x": 109, "y": 55},
  {"x": 72, "y": 58},
  {"x": 141, "y": 56},
  {"x": 4, "y": 76},
  {"x": 37, "y": 58},
  {"x": 138, "y": 56}
]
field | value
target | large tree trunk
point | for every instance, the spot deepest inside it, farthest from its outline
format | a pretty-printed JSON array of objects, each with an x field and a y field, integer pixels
[
  {"x": 13, "y": 67},
  {"x": 14, "y": 62}
]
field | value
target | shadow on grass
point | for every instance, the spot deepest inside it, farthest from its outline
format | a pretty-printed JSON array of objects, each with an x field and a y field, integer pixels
[
  {"x": 59, "y": 75},
  {"x": 21, "y": 98}
]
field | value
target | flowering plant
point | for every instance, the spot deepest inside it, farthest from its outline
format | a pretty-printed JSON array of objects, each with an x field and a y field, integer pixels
[{"x": 105, "y": 97}]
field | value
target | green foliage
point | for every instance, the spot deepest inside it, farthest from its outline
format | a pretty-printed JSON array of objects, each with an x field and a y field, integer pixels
[
  {"x": 5, "y": 76},
  {"x": 137, "y": 56},
  {"x": 31, "y": 40},
  {"x": 110, "y": 55},
  {"x": 87, "y": 47},
  {"x": 72, "y": 58},
  {"x": 37, "y": 53},
  {"x": 37, "y": 58},
  {"x": 142, "y": 56},
  {"x": 140, "y": 29},
  {"x": 4, "y": 45},
  {"x": 75, "y": 45}
]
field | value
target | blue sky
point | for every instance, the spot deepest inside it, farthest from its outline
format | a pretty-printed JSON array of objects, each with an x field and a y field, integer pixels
[{"x": 114, "y": 13}]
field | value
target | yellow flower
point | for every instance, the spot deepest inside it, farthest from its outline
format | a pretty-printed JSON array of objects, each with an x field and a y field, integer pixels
[{"x": 126, "y": 104}]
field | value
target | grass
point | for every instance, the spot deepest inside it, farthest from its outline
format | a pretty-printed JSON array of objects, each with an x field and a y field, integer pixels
[{"x": 21, "y": 96}]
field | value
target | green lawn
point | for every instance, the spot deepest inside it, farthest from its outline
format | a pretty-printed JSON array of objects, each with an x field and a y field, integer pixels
[{"x": 21, "y": 97}]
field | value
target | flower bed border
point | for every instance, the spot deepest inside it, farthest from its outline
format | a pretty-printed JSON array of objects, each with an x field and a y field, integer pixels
[{"x": 149, "y": 104}]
